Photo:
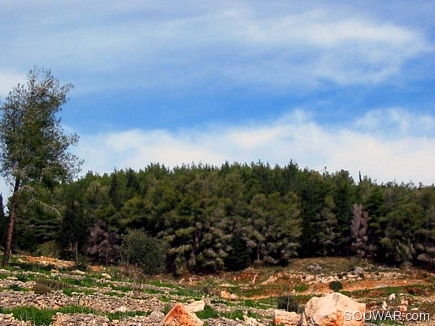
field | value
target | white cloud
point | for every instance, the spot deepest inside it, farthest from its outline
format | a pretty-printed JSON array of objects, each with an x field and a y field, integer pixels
[
  {"x": 297, "y": 137},
  {"x": 396, "y": 153},
  {"x": 8, "y": 80},
  {"x": 396, "y": 121}
]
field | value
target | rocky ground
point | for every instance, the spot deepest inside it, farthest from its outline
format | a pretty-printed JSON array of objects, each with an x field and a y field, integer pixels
[{"x": 46, "y": 291}]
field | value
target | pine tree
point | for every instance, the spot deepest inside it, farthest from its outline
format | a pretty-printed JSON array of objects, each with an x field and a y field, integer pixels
[{"x": 32, "y": 142}]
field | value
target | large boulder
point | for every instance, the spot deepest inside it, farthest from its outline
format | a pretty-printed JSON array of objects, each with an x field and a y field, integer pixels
[
  {"x": 334, "y": 309},
  {"x": 180, "y": 316}
]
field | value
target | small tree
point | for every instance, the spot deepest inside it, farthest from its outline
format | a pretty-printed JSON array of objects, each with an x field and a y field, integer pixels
[
  {"x": 102, "y": 243},
  {"x": 143, "y": 251},
  {"x": 33, "y": 146},
  {"x": 359, "y": 230}
]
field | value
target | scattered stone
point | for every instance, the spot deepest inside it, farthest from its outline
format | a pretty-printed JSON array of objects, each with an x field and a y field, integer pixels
[
  {"x": 310, "y": 278},
  {"x": 122, "y": 309},
  {"x": 106, "y": 276},
  {"x": 249, "y": 321},
  {"x": 227, "y": 295},
  {"x": 392, "y": 297},
  {"x": 358, "y": 270},
  {"x": 384, "y": 305},
  {"x": 78, "y": 272},
  {"x": 403, "y": 307},
  {"x": 8, "y": 319},
  {"x": 156, "y": 316},
  {"x": 314, "y": 267},
  {"x": 271, "y": 279}
]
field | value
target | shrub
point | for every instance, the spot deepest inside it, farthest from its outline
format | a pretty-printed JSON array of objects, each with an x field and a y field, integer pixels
[
  {"x": 288, "y": 303},
  {"x": 52, "y": 284},
  {"x": 141, "y": 250},
  {"x": 336, "y": 286},
  {"x": 41, "y": 289}
]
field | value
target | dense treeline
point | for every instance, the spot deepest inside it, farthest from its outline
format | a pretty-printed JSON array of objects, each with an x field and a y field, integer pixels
[{"x": 229, "y": 217}]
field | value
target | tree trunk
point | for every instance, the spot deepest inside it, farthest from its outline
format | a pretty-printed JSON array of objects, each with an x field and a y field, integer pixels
[{"x": 12, "y": 214}]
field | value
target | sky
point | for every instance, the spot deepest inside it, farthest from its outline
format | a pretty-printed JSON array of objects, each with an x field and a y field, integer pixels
[{"x": 341, "y": 85}]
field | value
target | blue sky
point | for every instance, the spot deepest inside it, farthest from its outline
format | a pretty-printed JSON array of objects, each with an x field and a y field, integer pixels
[{"x": 336, "y": 84}]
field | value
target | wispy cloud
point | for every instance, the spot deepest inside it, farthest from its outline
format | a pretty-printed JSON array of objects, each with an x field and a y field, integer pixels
[
  {"x": 401, "y": 156},
  {"x": 170, "y": 46}
]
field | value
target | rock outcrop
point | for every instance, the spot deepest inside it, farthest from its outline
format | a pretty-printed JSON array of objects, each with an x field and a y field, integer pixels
[
  {"x": 196, "y": 306},
  {"x": 334, "y": 309},
  {"x": 180, "y": 316},
  {"x": 281, "y": 317}
]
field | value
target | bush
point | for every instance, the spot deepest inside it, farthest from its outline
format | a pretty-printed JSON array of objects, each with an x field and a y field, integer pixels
[
  {"x": 336, "y": 286},
  {"x": 145, "y": 252},
  {"x": 41, "y": 289},
  {"x": 288, "y": 303}
]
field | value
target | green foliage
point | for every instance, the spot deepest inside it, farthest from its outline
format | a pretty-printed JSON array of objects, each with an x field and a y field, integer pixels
[
  {"x": 238, "y": 258},
  {"x": 15, "y": 287},
  {"x": 231, "y": 217},
  {"x": 73, "y": 229},
  {"x": 287, "y": 303},
  {"x": 143, "y": 251},
  {"x": 336, "y": 286},
  {"x": 301, "y": 287},
  {"x": 33, "y": 147}
]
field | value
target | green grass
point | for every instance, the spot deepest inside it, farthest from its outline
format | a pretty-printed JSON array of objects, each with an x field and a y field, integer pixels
[
  {"x": 236, "y": 314},
  {"x": 86, "y": 281},
  {"x": 162, "y": 284},
  {"x": 43, "y": 317},
  {"x": 253, "y": 314},
  {"x": 39, "y": 317},
  {"x": 30, "y": 267},
  {"x": 190, "y": 293},
  {"x": 301, "y": 287},
  {"x": 15, "y": 287},
  {"x": 208, "y": 312},
  {"x": 152, "y": 291},
  {"x": 115, "y": 294},
  {"x": 123, "y": 315},
  {"x": 124, "y": 288}
]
